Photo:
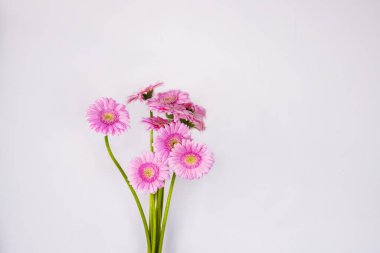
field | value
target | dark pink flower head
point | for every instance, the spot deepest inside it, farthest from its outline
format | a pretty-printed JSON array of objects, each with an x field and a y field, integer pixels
[
  {"x": 166, "y": 102},
  {"x": 145, "y": 93},
  {"x": 106, "y": 116},
  {"x": 148, "y": 173},
  {"x": 191, "y": 160},
  {"x": 155, "y": 123},
  {"x": 193, "y": 114},
  {"x": 169, "y": 136},
  {"x": 199, "y": 111}
]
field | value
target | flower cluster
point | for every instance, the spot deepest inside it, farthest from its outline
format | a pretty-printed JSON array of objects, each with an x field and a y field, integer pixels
[
  {"x": 177, "y": 106},
  {"x": 174, "y": 149},
  {"x": 173, "y": 152}
]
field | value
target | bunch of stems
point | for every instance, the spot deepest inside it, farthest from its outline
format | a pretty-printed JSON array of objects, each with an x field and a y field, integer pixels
[{"x": 155, "y": 231}]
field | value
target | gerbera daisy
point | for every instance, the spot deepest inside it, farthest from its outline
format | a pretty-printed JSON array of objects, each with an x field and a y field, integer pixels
[
  {"x": 106, "y": 116},
  {"x": 199, "y": 111},
  {"x": 196, "y": 110},
  {"x": 169, "y": 136},
  {"x": 145, "y": 93},
  {"x": 167, "y": 101},
  {"x": 148, "y": 173},
  {"x": 193, "y": 115},
  {"x": 180, "y": 112},
  {"x": 154, "y": 123},
  {"x": 191, "y": 160}
]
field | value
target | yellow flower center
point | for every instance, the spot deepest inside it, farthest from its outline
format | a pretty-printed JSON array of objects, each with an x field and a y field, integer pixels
[
  {"x": 191, "y": 159},
  {"x": 172, "y": 142},
  {"x": 148, "y": 172},
  {"x": 108, "y": 117}
]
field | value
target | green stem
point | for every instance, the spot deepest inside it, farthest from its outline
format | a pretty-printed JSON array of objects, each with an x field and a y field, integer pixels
[
  {"x": 152, "y": 203},
  {"x": 152, "y": 214},
  {"x": 151, "y": 136},
  {"x": 166, "y": 213},
  {"x": 132, "y": 191},
  {"x": 159, "y": 204},
  {"x": 150, "y": 217}
]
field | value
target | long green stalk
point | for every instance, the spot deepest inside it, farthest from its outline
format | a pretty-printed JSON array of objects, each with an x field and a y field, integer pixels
[
  {"x": 132, "y": 191},
  {"x": 152, "y": 204},
  {"x": 166, "y": 213},
  {"x": 150, "y": 216},
  {"x": 159, "y": 204},
  {"x": 159, "y": 201},
  {"x": 153, "y": 230}
]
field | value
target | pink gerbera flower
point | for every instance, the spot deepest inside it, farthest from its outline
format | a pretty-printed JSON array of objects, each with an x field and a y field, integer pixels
[
  {"x": 155, "y": 123},
  {"x": 199, "y": 111},
  {"x": 145, "y": 93},
  {"x": 108, "y": 117},
  {"x": 192, "y": 114},
  {"x": 167, "y": 101},
  {"x": 180, "y": 112},
  {"x": 148, "y": 173},
  {"x": 169, "y": 136},
  {"x": 196, "y": 110},
  {"x": 191, "y": 160}
]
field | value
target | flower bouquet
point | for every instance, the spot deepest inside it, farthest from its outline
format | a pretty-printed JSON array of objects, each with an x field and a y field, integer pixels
[{"x": 172, "y": 150}]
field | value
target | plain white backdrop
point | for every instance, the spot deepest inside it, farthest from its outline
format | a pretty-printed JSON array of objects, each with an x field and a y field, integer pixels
[{"x": 292, "y": 91}]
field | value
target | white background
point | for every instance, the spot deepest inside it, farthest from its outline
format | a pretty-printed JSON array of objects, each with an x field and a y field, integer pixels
[{"x": 292, "y": 93}]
